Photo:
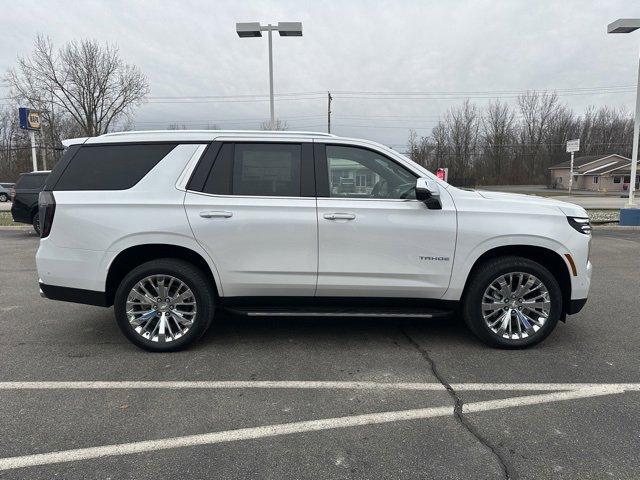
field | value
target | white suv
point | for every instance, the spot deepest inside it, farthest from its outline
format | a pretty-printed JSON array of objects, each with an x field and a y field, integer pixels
[{"x": 170, "y": 226}]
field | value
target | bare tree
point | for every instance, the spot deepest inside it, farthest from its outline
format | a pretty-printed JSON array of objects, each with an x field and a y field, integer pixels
[
  {"x": 498, "y": 137},
  {"x": 537, "y": 111},
  {"x": 87, "y": 81},
  {"x": 421, "y": 150},
  {"x": 463, "y": 127},
  {"x": 277, "y": 124}
]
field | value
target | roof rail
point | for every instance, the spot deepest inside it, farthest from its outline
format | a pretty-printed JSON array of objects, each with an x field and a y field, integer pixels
[{"x": 283, "y": 133}]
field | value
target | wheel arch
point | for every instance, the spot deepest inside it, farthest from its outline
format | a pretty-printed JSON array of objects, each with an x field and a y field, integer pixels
[
  {"x": 135, "y": 255},
  {"x": 546, "y": 257}
]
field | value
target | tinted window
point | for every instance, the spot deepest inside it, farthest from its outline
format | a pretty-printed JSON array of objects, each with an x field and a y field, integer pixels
[
  {"x": 31, "y": 181},
  {"x": 266, "y": 170},
  {"x": 111, "y": 167},
  {"x": 360, "y": 173},
  {"x": 256, "y": 169},
  {"x": 219, "y": 179}
]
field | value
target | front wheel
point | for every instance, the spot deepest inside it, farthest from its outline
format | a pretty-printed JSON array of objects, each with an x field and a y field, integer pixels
[
  {"x": 512, "y": 302},
  {"x": 3, "y": 197},
  {"x": 164, "y": 305}
]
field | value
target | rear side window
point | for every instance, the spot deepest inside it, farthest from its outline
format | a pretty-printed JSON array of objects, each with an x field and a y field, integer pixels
[
  {"x": 111, "y": 167},
  {"x": 29, "y": 182},
  {"x": 257, "y": 169},
  {"x": 266, "y": 170}
]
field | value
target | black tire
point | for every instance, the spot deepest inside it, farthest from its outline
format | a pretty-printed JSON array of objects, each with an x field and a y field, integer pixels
[
  {"x": 35, "y": 221},
  {"x": 184, "y": 271},
  {"x": 480, "y": 281},
  {"x": 3, "y": 197}
]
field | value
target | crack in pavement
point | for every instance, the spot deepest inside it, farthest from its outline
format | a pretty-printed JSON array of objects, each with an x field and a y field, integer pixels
[{"x": 507, "y": 469}]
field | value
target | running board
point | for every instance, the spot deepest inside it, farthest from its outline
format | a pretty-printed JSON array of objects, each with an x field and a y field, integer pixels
[{"x": 352, "y": 312}]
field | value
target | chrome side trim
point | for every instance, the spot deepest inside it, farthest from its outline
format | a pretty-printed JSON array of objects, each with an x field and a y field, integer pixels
[{"x": 337, "y": 314}]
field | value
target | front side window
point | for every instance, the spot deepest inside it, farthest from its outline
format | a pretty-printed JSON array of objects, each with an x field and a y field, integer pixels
[{"x": 360, "y": 173}]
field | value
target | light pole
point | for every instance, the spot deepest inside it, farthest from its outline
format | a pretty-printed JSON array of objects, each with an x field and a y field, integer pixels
[
  {"x": 628, "y": 25},
  {"x": 254, "y": 29}
]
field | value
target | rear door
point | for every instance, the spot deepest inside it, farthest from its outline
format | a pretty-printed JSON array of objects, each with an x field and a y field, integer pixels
[
  {"x": 375, "y": 238},
  {"x": 252, "y": 207}
]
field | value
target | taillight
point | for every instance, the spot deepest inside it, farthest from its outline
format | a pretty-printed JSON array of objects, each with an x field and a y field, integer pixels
[{"x": 46, "y": 209}]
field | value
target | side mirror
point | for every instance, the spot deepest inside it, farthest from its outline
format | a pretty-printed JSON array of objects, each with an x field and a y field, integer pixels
[{"x": 427, "y": 191}]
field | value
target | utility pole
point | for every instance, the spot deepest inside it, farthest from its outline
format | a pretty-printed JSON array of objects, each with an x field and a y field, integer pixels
[
  {"x": 44, "y": 149},
  {"x": 329, "y": 98},
  {"x": 571, "y": 174}
]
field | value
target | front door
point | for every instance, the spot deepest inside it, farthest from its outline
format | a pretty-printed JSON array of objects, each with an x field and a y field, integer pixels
[
  {"x": 375, "y": 239},
  {"x": 255, "y": 215}
]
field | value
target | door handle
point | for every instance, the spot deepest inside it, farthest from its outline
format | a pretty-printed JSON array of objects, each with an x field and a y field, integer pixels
[
  {"x": 339, "y": 216},
  {"x": 216, "y": 214}
]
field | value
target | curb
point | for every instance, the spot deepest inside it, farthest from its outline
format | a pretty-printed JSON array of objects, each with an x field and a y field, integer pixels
[
  {"x": 630, "y": 228},
  {"x": 7, "y": 228}
]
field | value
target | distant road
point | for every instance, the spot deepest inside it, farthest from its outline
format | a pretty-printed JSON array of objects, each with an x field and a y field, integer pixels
[
  {"x": 593, "y": 202},
  {"x": 5, "y": 206}
]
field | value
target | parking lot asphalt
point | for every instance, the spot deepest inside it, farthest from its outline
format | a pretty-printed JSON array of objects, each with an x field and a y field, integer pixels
[{"x": 385, "y": 409}]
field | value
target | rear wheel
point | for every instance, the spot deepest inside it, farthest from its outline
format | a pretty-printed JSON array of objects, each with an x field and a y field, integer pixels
[
  {"x": 4, "y": 197},
  {"x": 35, "y": 221},
  {"x": 164, "y": 305},
  {"x": 512, "y": 302}
]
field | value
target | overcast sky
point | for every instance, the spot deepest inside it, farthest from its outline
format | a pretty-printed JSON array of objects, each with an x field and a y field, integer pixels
[{"x": 190, "y": 48}]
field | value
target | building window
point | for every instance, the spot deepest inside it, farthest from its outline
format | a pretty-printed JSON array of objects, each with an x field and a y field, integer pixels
[
  {"x": 558, "y": 179},
  {"x": 616, "y": 179},
  {"x": 627, "y": 179},
  {"x": 595, "y": 179}
]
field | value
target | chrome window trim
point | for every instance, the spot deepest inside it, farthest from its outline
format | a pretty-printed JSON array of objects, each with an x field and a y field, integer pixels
[
  {"x": 394, "y": 200},
  {"x": 183, "y": 179}
]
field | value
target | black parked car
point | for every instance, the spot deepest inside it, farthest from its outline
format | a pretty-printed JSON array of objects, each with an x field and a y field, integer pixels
[{"x": 25, "y": 200}]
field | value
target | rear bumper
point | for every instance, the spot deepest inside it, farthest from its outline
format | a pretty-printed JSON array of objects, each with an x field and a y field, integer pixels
[{"x": 75, "y": 295}]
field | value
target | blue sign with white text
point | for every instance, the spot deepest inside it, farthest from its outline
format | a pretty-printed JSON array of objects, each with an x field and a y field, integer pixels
[{"x": 29, "y": 119}]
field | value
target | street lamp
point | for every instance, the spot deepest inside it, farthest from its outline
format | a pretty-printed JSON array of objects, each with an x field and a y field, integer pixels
[
  {"x": 254, "y": 29},
  {"x": 628, "y": 25}
]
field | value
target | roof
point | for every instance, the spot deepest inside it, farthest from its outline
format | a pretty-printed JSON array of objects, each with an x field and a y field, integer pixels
[
  {"x": 582, "y": 161},
  {"x": 189, "y": 136}
]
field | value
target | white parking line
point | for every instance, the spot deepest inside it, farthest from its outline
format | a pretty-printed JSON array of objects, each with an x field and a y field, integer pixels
[
  {"x": 294, "y": 427},
  {"x": 303, "y": 384}
]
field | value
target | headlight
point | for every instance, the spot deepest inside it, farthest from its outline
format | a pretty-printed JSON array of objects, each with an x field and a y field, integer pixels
[{"x": 580, "y": 224}]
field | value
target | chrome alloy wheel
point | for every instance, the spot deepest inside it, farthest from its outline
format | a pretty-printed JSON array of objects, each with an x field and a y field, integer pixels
[
  {"x": 161, "y": 308},
  {"x": 516, "y": 305}
]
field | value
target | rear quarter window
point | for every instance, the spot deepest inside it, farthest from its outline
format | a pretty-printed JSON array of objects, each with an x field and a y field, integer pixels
[{"x": 111, "y": 167}]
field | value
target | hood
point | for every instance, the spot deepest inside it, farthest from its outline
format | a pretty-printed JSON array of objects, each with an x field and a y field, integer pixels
[{"x": 569, "y": 209}]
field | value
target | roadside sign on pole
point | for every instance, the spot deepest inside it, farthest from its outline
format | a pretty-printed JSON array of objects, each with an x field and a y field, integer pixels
[
  {"x": 30, "y": 120},
  {"x": 442, "y": 173},
  {"x": 573, "y": 145}
]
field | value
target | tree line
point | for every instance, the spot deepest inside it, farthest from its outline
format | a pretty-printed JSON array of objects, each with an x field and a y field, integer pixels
[
  {"x": 516, "y": 144},
  {"x": 81, "y": 89}
]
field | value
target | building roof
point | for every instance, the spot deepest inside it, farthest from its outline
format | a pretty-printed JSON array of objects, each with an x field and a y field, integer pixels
[
  {"x": 610, "y": 164},
  {"x": 583, "y": 161}
]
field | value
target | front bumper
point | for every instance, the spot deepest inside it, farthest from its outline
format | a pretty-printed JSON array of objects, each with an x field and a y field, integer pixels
[{"x": 576, "y": 305}]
